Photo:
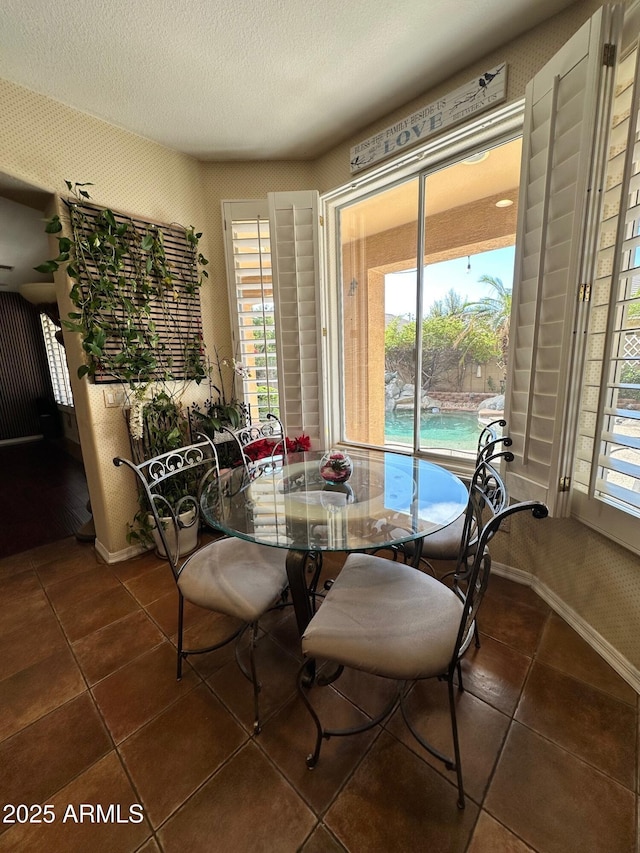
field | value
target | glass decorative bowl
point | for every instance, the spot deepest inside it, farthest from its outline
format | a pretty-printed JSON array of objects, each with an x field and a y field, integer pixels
[{"x": 335, "y": 467}]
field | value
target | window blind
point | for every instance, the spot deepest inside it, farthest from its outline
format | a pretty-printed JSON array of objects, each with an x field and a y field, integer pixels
[{"x": 57, "y": 363}]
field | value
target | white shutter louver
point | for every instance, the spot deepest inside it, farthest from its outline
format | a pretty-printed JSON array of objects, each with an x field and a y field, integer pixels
[
  {"x": 252, "y": 304},
  {"x": 561, "y": 104},
  {"x": 295, "y": 259}
]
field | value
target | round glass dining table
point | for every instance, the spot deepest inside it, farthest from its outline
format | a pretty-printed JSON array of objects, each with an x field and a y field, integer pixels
[{"x": 388, "y": 499}]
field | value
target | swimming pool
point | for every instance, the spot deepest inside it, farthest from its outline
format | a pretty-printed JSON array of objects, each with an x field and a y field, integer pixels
[{"x": 448, "y": 430}]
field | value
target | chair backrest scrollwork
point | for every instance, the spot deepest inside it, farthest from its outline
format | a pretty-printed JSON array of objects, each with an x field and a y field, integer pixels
[
  {"x": 262, "y": 445},
  {"x": 171, "y": 485}
]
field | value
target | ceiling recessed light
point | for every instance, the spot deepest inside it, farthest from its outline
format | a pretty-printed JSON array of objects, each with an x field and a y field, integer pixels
[
  {"x": 504, "y": 202},
  {"x": 476, "y": 158}
]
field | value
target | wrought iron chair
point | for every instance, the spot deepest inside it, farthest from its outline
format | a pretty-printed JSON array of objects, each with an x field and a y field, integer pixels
[
  {"x": 387, "y": 619},
  {"x": 262, "y": 445},
  {"x": 230, "y": 576},
  {"x": 444, "y": 545}
]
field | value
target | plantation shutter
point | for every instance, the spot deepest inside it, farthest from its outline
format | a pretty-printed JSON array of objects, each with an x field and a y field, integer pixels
[
  {"x": 562, "y": 103},
  {"x": 294, "y": 224},
  {"x": 608, "y": 453},
  {"x": 248, "y": 250}
]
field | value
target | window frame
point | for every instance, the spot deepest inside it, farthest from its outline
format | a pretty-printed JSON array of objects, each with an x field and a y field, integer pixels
[{"x": 493, "y": 129}]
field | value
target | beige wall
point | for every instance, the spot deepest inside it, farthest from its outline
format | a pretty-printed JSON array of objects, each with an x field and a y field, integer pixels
[
  {"x": 43, "y": 142},
  {"x": 524, "y": 56}
]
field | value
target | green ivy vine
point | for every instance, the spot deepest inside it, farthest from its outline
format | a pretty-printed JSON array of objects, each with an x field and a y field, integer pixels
[{"x": 122, "y": 279}]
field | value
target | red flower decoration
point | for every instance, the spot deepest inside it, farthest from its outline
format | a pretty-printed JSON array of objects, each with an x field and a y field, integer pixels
[
  {"x": 299, "y": 444},
  {"x": 260, "y": 449}
]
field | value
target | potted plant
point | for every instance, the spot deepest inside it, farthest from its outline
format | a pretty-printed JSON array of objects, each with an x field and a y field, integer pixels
[
  {"x": 223, "y": 408},
  {"x": 157, "y": 426}
]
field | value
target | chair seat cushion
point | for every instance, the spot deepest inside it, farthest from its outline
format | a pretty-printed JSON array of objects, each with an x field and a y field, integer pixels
[
  {"x": 234, "y": 577},
  {"x": 385, "y": 618},
  {"x": 444, "y": 544}
]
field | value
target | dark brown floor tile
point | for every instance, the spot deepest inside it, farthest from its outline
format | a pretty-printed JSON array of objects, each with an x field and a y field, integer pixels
[
  {"x": 247, "y": 805},
  {"x": 152, "y": 585},
  {"x": 64, "y": 550},
  {"x": 276, "y": 671},
  {"x": 18, "y": 588},
  {"x": 15, "y": 614},
  {"x": 207, "y": 632},
  {"x": 563, "y": 648},
  {"x": 22, "y": 596},
  {"x": 164, "y": 612},
  {"x": 150, "y": 846},
  {"x": 106, "y": 784},
  {"x": 193, "y": 736},
  {"x": 96, "y": 612},
  {"x": 290, "y": 736},
  {"x": 481, "y": 730},
  {"x": 137, "y": 566},
  {"x": 395, "y": 801},
  {"x": 490, "y": 836},
  {"x": 516, "y": 593},
  {"x": 321, "y": 841},
  {"x": 106, "y": 650},
  {"x": 281, "y": 625},
  {"x": 15, "y": 564},
  {"x": 593, "y": 725},
  {"x": 555, "y": 802},
  {"x": 518, "y": 625},
  {"x": 42, "y": 758},
  {"x": 62, "y": 568},
  {"x": 368, "y": 692},
  {"x": 495, "y": 673},
  {"x": 36, "y": 638},
  {"x": 139, "y": 691},
  {"x": 33, "y": 692},
  {"x": 69, "y": 593}
]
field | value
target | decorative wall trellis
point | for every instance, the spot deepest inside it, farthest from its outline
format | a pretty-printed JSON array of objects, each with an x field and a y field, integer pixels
[{"x": 171, "y": 318}]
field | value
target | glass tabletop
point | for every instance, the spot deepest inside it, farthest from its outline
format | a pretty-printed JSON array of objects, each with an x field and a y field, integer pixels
[{"x": 388, "y": 499}]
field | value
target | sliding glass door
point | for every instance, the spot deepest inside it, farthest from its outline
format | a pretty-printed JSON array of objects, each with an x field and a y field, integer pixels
[{"x": 426, "y": 278}]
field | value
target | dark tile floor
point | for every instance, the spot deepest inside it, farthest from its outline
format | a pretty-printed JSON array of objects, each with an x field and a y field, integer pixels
[
  {"x": 42, "y": 481},
  {"x": 91, "y": 713}
]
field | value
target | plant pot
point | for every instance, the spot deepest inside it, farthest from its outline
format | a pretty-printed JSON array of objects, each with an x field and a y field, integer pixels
[{"x": 187, "y": 536}]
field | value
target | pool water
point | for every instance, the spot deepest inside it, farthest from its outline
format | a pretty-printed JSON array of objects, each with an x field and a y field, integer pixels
[{"x": 450, "y": 430}]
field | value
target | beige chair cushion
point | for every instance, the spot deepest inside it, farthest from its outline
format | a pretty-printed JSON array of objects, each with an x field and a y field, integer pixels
[
  {"x": 234, "y": 577},
  {"x": 444, "y": 544},
  {"x": 386, "y": 618}
]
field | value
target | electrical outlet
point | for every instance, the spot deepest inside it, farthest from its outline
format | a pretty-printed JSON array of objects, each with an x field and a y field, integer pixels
[{"x": 113, "y": 398}]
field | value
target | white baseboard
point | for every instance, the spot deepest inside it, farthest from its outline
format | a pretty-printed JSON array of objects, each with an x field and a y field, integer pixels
[
  {"x": 118, "y": 556},
  {"x": 612, "y": 656}
]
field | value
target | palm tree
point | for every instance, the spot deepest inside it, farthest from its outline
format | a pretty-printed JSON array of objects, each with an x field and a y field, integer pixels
[{"x": 496, "y": 311}]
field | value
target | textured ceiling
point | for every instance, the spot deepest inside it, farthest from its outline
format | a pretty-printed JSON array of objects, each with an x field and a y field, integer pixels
[{"x": 229, "y": 79}]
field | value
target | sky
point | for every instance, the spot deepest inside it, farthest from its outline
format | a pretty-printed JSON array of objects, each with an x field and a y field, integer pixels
[{"x": 400, "y": 288}]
